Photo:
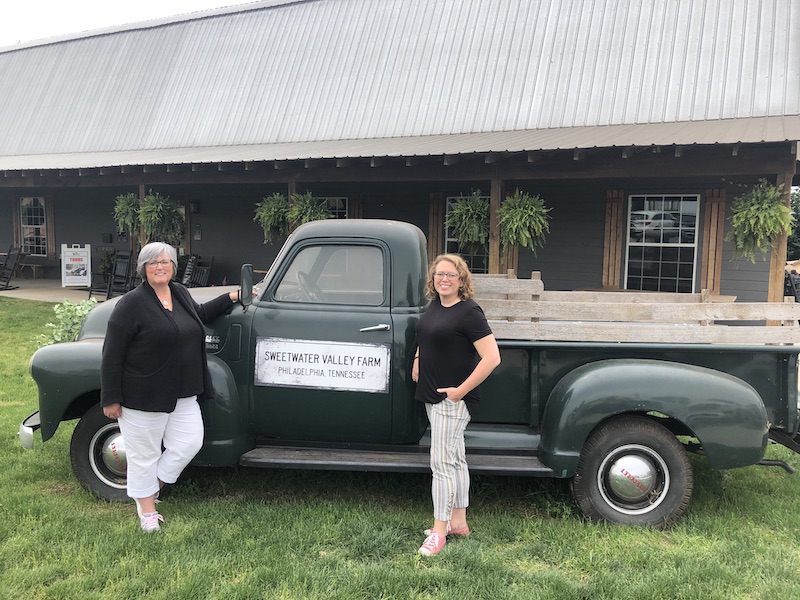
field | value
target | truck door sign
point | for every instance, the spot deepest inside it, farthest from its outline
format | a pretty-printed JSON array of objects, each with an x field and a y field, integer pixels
[{"x": 323, "y": 365}]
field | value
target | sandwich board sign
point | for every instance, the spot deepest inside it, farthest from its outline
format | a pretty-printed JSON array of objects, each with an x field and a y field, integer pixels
[{"x": 76, "y": 265}]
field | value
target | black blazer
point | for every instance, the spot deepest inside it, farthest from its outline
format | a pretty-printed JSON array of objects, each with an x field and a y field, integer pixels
[{"x": 140, "y": 353}]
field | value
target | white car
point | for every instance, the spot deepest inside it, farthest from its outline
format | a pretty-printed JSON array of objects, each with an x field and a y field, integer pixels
[{"x": 653, "y": 225}]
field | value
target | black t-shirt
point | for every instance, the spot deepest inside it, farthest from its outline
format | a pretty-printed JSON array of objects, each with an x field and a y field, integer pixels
[
  {"x": 191, "y": 338},
  {"x": 447, "y": 355}
]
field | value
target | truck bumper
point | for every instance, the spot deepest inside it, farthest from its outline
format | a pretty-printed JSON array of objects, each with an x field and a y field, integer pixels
[{"x": 26, "y": 429}]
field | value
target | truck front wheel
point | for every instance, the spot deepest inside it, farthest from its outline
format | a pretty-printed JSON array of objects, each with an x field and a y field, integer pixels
[
  {"x": 633, "y": 471},
  {"x": 97, "y": 453}
]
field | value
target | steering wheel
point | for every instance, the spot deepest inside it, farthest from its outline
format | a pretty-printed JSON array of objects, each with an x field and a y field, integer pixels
[{"x": 311, "y": 291}]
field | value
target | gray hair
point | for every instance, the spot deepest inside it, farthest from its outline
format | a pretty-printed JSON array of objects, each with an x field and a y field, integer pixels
[{"x": 152, "y": 251}]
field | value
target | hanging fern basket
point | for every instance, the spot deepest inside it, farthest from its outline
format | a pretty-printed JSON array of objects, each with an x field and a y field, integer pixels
[
  {"x": 758, "y": 218},
  {"x": 468, "y": 221},
  {"x": 524, "y": 221},
  {"x": 162, "y": 219},
  {"x": 304, "y": 208},
  {"x": 271, "y": 214}
]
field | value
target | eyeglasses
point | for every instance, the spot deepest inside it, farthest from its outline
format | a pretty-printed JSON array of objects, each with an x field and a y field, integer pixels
[
  {"x": 160, "y": 263},
  {"x": 445, "y": 275}
]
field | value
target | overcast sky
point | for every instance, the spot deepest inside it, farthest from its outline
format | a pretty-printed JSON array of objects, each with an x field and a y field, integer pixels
[{"x": 27, "y": 20}]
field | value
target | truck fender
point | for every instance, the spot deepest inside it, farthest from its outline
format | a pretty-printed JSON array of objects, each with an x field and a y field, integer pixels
[
  {"x": 226, "y": 437},
  {"x": 725, "y": 413},
  {"x": 65, "y": 373}
]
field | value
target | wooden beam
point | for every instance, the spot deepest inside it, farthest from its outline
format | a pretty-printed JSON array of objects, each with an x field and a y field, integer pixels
[
  {"x": 450, "y": 159},
  {"x": 678, "y": 151},
  {"x": 491, "y": 158},
  {"x": 412, "y": 161},
  {"x": 613, "y": 240},
  {"x": 494, "y": 223},
  {"x": 777, "y": 258},
  {"x": 578, "y": 154},
  {"x": 713, "y": 235}
]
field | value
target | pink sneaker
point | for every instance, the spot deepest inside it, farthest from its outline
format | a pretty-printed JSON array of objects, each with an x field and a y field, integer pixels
[
  {"x": 433, "y": 544},
  {"x": 461, "y": 531}
]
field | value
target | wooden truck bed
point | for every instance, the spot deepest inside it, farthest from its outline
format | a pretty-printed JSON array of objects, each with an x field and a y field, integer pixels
[{"x": 521, "y": 309}]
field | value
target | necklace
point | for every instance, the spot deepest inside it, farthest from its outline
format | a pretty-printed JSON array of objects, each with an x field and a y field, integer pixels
[{"x": 165, "y": 303}]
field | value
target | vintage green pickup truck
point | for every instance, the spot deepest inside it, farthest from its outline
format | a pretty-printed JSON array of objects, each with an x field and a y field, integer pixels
[{"x": 313, "y": 371}]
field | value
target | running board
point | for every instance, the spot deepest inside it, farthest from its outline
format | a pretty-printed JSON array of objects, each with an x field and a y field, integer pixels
[{"x": 332, "y": 459}]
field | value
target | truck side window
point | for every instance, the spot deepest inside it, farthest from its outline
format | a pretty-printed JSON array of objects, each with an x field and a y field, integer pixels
[{"x": 334, "y": 274}]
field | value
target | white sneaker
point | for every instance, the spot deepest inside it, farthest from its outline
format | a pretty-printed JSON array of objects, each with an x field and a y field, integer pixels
[
  {"x": 139, "y": 506},
  {"x": 151, "y": 522}
]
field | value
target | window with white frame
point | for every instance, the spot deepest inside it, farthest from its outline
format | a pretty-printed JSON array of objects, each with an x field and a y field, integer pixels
[
  {"x": 336, "y": 204},
  {"x": 662, "y": 243},
  {"x": 33, "y": 225},
  {"x": 477, "y": 260}
]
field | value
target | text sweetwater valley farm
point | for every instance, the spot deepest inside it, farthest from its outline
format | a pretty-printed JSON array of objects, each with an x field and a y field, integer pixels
[{"x": 322, "y": 365}]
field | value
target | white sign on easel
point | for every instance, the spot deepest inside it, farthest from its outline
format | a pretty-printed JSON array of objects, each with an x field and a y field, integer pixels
[{"x": 76, "y": 265}]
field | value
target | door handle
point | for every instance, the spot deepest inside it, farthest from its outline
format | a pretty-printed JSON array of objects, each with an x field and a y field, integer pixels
[{"x": 381, "y": 327}]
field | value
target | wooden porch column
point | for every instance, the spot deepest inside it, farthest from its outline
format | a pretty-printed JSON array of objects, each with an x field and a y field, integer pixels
[
  {"x": 713, "y": 236},
  {"x": 356, "y": 206},
  {"x": 777, "y": 258},
  {"x": 435, "y": 225},
  {"x": 132, "y": 242},
  {"x": 613, "y": 241},
  {"x": 494, "y": 225}
]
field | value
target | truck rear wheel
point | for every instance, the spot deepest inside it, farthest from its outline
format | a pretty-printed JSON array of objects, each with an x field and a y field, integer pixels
[
  {"x": 97, "y": 453},
  {"x": 633, "y": 471}
]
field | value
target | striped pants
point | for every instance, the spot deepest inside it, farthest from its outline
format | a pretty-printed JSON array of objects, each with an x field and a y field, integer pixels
[{"x": 450, "y": 485}]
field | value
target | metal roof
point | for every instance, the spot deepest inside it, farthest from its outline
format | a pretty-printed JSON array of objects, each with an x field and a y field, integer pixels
[
  {"x": 278, "y": 80},
  {"x": 658, "y": 134}
]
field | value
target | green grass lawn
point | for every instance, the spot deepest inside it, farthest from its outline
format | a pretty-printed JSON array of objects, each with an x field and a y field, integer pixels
[{"x": 241, "y": 534}]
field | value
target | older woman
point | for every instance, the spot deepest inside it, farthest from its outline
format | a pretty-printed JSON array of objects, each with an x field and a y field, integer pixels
[
  {"x": 154, "y": 371},
  {"x": 456, "y": 351}
]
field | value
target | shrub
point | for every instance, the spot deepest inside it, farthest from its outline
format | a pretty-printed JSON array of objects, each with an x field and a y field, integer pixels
[{"x": 69, "y": 319}]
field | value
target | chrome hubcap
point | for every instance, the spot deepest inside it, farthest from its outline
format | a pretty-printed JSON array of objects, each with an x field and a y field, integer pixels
[
  {"x": 107, "y": 456},
  {"x": 633, "y": 479}
]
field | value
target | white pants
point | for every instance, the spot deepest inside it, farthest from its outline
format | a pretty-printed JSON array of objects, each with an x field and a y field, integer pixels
[
  {"x": 181, "y": 434},
  {"x": 450, "y": 485}
]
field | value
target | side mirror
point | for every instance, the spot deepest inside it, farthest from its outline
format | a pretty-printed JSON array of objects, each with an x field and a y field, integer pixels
[{"x": 246, "y": 294}]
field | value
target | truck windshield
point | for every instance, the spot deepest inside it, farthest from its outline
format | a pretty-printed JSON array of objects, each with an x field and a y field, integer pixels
[{"x": 334, "y": 274}]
